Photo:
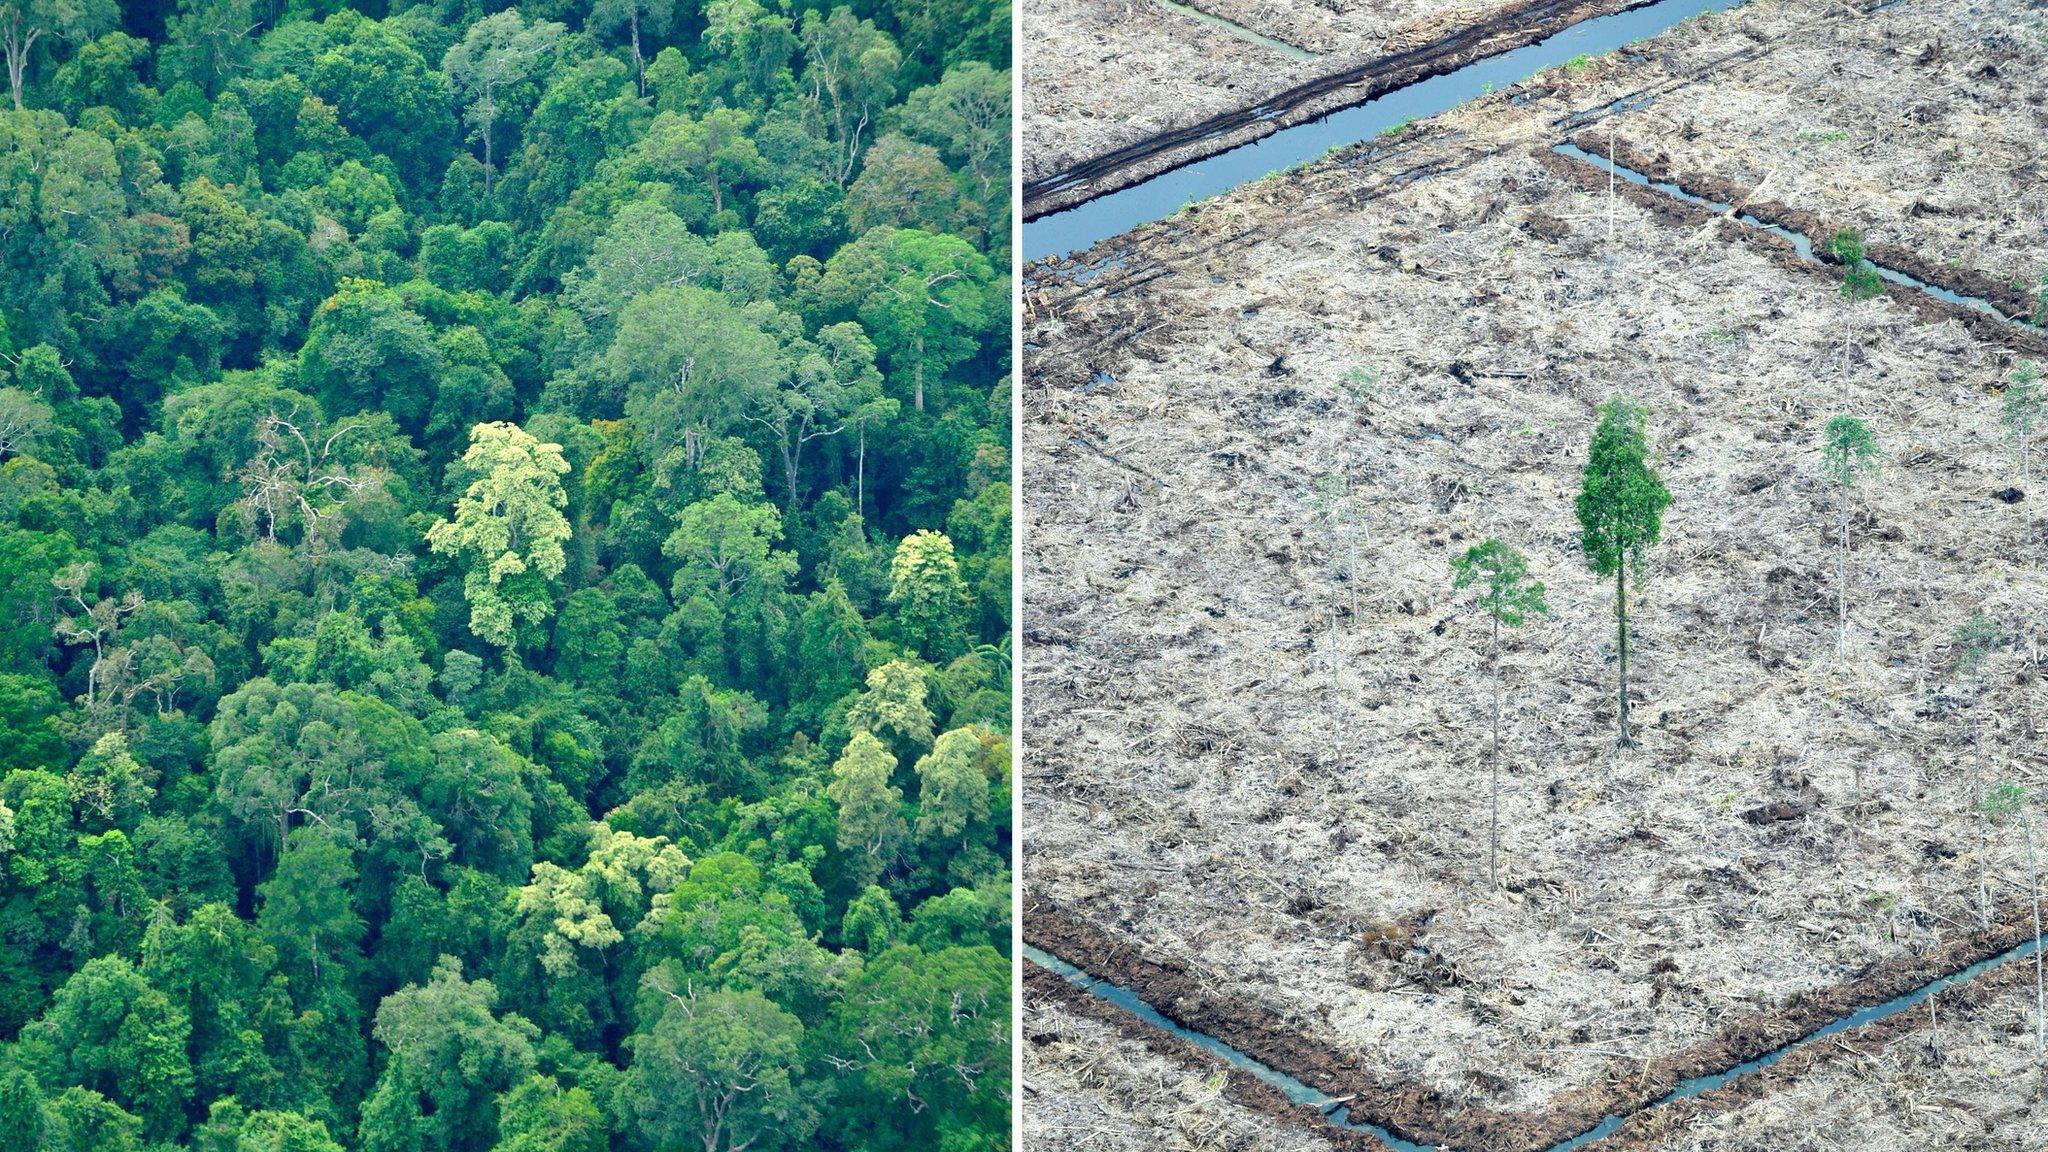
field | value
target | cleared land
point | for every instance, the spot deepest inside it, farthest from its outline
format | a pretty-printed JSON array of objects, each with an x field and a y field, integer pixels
[
  {"x": 1258, "y": 778},
  {"x": 1350, "y": 28},
  {"x": 1094, "y": 1078},
  {"x": 1102, "y": 74},
  {"x": 1969, "y": 1078},
  {"x": 1107, "y": 83}
]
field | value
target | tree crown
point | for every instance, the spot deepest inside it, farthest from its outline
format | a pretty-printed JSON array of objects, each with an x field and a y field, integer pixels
[
  {"x": 1621, "y": 500},
  {"x": 1506, "y": 593}
]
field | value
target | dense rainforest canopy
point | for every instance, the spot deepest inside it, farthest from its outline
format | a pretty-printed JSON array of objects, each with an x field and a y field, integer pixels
[{"x": 504, "y": 541}]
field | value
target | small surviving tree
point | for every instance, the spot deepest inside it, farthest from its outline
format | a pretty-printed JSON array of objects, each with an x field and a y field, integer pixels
[
  {"x": 1337, "y": 509},
  {"x": 1860, "y": 280},
  {"x": 1341, "y": 512},
  {"x": 1848, "y": 453},
  {"x": 2021, "y": 412},
  {"x": 1621, "y": 514},
  {"x": 2006, "y": 801},
  {"x": 1507, "y": 596},
  {"x": 1975, "y": 640}
]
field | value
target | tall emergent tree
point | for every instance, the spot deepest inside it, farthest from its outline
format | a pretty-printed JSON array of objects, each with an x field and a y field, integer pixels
[
  {"x": 24, "y": 24},
  {"x": 1621, "y": 513},
  {"x": 720, "y": 1070},
  {"x": 931, "y": 601},
  {"x": 656, "y": 15},
  {"x": 498, "y": 52},
  {"x": 1508, "y": 597},
  {"x": 508, "y": 529},
  {"x": 1848, "y": 453}
]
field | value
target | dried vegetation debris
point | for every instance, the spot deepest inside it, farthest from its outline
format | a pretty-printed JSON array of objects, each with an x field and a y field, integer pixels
[
  {"x": 1965, "y": 1075},
  {"x": 1088, "y": 1085},
  {"x": 1101, "y": 74},
  {"x": 1355, "y": 29},
  {"x": 1263, "y": 759}
]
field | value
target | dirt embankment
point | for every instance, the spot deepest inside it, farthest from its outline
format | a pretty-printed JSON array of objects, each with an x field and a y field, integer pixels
[
  {"x": 1091, "y": 1066},
  {"x": 1089, "y": 133}
]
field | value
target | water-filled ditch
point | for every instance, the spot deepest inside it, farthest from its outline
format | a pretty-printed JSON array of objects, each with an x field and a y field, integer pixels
[
  {"x": 1115, "y": 213},
  {"x": 1336, "y": 1113}
]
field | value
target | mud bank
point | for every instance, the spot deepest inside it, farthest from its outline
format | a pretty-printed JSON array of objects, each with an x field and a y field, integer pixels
[
  {"x": 1155, "y": 1080},
  {"x": 1645, "y": 1107},
  {"x": 1089, "y": 135}
]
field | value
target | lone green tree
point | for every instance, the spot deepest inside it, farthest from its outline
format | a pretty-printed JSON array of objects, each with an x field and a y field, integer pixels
[
  {"x": 1621, "y": 514},
  {"x": 508, "y": 529},
  {"x": 2020, "y": 412},
  {"x": 1507, "y": 596},
  {"x": 1848, "y": 453},
  {"x": 1860, "y": 282}
]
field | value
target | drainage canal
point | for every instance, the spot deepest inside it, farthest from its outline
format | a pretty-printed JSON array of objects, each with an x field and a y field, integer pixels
[
  {"x": 1240, "y": 31},
  {"x": 1801, "y": 242},
  {"x": 1337, "y": 1114},
  {"x": 1091, "y": 221}
]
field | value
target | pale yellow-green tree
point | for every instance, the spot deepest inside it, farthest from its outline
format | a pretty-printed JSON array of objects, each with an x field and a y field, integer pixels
[
  {"x": 567, "y": 914},
  {"x": 508, "y": 529},
  {"x": 894, "y": 705},
  {"x": 563, "y": 905},
  {"x": 930, "y": 598}
]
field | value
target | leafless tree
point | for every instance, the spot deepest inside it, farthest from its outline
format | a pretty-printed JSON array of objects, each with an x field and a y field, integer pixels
[{"x": 290, "y": 480}]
